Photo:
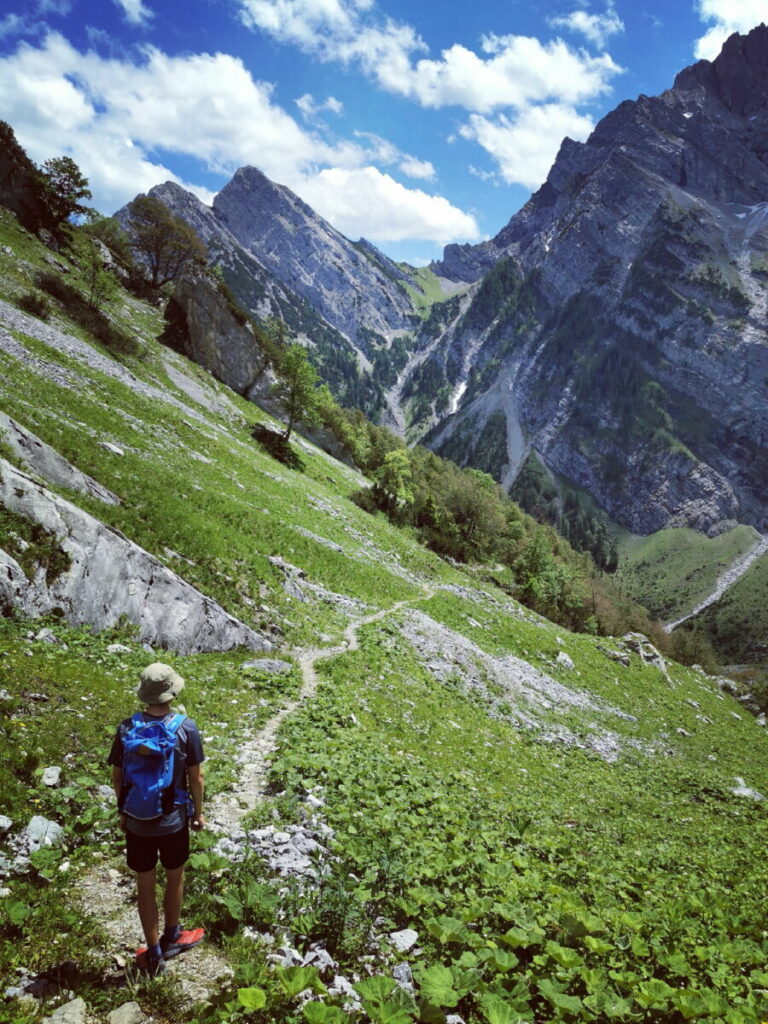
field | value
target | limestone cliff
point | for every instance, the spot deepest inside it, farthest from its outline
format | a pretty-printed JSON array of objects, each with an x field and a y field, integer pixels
[{"x": 621, "y": 331}]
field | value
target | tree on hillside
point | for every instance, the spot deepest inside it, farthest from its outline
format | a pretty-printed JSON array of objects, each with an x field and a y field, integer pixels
[
  {"x": 393, "y": 484},
  {"x": 297, "y": 388},
  {"x": 63, "y": 185},
  {"x": 163, "y": 241},
  {"x": 108, "y": 231}
]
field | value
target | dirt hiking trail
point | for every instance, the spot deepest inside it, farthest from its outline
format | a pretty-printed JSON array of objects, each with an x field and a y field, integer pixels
[{"x": 107, "y": 893}]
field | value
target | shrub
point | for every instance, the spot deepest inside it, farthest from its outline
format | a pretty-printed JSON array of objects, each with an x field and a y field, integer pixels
[
  {"x": 35, "y": 304},
  {"x": 92, "y": 320}
]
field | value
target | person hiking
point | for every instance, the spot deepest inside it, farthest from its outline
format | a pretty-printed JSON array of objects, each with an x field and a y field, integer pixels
[{"x": 157, "y": 775}]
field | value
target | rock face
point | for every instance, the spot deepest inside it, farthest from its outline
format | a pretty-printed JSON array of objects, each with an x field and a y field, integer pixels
[
  {"x": 351, "y": 286},
  {"x": 621, "y": 332},
  {"x": 47, "y": 463},
  {"x": 203, "y": 327},
  {"x": 109, "y": 577}
]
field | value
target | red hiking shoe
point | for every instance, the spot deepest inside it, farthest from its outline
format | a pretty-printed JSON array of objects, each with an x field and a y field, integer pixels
[
  {"x": 153, "y": 965},
  {"x": 186, "y": 939}
]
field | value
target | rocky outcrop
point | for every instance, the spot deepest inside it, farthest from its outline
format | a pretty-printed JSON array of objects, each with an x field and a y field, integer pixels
[
  {"x": 40, "y": 458},
  {"x": 621, "y": 331},
  {"x": 203, "y": 326},
  {"x": 109, "y": 578}
]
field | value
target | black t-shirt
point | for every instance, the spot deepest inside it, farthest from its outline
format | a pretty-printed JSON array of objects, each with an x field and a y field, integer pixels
[{"x": 188, "y": 753}]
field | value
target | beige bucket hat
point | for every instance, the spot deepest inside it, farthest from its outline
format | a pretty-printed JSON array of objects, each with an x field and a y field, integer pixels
[{"x": 159, "y": 683}]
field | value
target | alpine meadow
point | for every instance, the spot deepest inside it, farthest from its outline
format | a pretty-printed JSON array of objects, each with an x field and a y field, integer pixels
[{"x": 460, "y": 569}]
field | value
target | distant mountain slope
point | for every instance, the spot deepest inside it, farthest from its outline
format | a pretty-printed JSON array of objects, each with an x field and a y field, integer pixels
[
  {"x": 280, "y": 259},
  {"x": 620, "y": 331}
]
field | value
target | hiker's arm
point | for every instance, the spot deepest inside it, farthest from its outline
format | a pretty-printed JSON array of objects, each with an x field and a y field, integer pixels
[
  {"x": 196, "y": 788},
  {"x": 117, "y": 785}
]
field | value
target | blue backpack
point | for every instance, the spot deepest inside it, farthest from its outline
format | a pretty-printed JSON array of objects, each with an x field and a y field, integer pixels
[{"x": 148, "y": 749}]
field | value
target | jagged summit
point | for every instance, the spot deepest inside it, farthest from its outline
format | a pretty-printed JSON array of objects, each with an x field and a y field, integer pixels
[
  {"x": 738, "y": 77},
  {"x": 637, "y": 268}
]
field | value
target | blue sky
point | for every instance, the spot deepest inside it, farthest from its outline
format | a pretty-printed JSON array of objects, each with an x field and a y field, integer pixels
[{"x": 413, "y": 124}]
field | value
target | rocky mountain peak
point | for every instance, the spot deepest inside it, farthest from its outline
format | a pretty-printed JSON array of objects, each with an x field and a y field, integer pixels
[{"x": 738, "y": 77}]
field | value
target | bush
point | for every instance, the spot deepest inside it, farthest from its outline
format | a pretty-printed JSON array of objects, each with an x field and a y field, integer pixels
[
  {"x": 35, "y": 304},
  {"x": 92, "y": 320}
]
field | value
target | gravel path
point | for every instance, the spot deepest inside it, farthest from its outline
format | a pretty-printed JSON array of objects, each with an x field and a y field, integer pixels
[{"x": 730, "y": 576}]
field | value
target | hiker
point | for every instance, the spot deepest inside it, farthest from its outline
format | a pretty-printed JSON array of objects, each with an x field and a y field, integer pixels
[{"x": 156, "y": 760}]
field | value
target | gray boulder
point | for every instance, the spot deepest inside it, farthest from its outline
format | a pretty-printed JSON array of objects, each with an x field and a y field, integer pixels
[
  {"x": 128, "y": 1013},
  {"x": 40, "y": 832},
  {"x": 40, "y": 458},
  {"x": 110, "y": 577},
  {"x": 73, "y": 1012},
  {"x": 272, "y": 666}
]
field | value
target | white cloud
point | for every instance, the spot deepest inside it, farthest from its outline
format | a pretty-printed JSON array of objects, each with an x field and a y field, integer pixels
[
  {"x": 526, "y": 145},
  {"x": 309, "y": 107},
  {"x": 596, "y": 28},
  {"x": 727, "y": 16},
  {"x": 517, "y": 69},
  {"x": 136, "y": 11},
  {"x": 60, "y": 7},
  {"x": 392, "y": 213},
  {"x": 12, "y": 25},
  {"x": 105, "y": 113},
  {"x": 414, "y": 168}
]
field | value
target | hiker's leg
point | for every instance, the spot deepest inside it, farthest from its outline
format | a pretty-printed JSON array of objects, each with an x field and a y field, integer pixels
[
  {"x": 174, "y": 850},
  {"x": 148, "y": 913},
  {"x": 174, "y": 894}
]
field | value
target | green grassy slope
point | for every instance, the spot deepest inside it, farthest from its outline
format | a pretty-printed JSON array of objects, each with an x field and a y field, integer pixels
[
  {"x": 469, "y": 797},
  {"x": 671, "y": 571},
  {"x": 743, "y": 603}
]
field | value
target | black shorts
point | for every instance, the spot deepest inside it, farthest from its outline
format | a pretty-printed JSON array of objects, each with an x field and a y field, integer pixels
[{"x": 142, "y": 851}]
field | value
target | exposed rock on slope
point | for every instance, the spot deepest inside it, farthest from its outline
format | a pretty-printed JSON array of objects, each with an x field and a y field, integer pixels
[
  {"x": 621, "y": 333},
  {"x": 110, "y": 577},
  {"x": 40, "y": 458},
  {"x": 202, "y": 327}
]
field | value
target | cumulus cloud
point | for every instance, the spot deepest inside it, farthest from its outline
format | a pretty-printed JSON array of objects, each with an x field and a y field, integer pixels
[
  {"x": 511, "y": 71},
  {"x": 525, "y": 146},
  {"x": 724, "y": 18},
  {"x": 596, "y": 28},
  {"x": 414, "y": 168},
  {"x": 310, "y": 108},
  {"x": 136, "y": 11},
  {"x": 394, "y": 213},
  {"x": 104, "y": 112}
]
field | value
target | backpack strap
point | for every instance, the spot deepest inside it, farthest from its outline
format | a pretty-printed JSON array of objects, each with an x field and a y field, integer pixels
[{"x": 175, "y": 724}]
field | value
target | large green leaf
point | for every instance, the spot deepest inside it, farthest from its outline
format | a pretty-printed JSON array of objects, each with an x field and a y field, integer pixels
[
  {"x": 653, "y": 994},
  {"x": 447, "y": 929},
  {"x": 557, "y": 997},
  {"x": 252, "y": 998},
  {"x": 436, "y": 984},
  {"x": 375, "y": 989},
  {"x": 497, "y": 1011},
  {"x": 297, "y": 979},
  {"x": 319, "y": 1013}
]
